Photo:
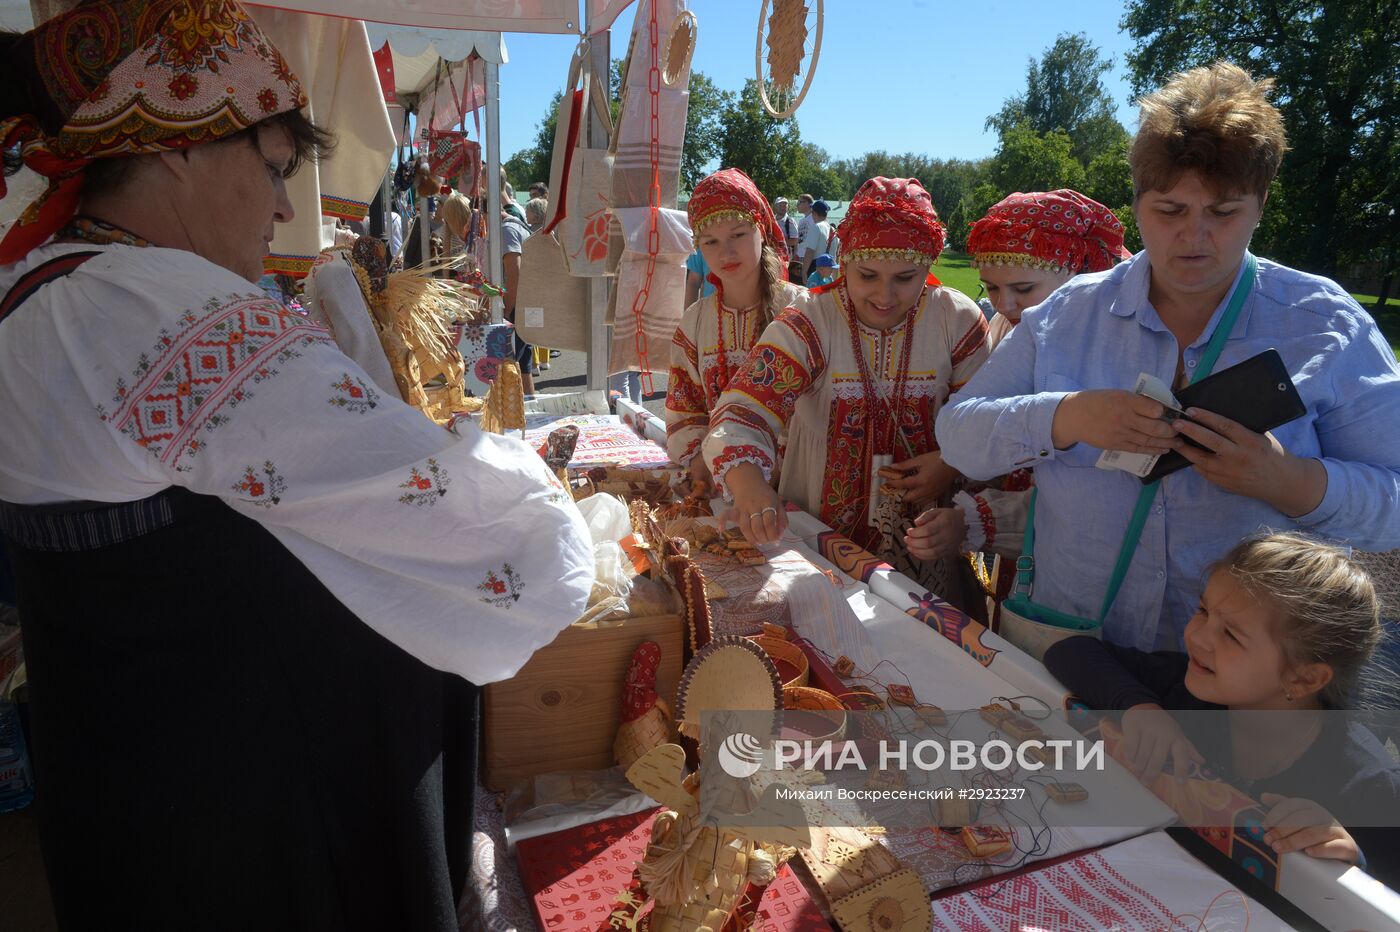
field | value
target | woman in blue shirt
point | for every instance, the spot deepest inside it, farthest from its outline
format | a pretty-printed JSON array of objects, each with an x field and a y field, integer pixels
[{"x": 1055, "y": 394}]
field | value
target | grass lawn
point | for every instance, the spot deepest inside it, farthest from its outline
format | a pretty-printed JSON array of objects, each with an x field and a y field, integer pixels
[
  {"x": 1388, "y": 319},
  {"x": 953, "y": 270}
]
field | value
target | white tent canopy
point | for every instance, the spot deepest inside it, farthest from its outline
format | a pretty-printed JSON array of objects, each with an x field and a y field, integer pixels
[{"x": 542, "y": 16}]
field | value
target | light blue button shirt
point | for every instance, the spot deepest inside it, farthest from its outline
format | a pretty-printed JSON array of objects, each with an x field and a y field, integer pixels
[{"x": 1100, "y": 331}]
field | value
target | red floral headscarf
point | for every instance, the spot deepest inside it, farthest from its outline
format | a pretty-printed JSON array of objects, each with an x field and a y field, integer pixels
[
  {"x": 891, "y": 218},
  {"x": 1060, "y": 231},
  {"x": 729, "y": 194},
  {"x": 126, "y": 77}
]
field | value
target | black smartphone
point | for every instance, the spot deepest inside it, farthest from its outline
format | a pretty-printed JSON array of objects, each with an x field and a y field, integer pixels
[{"x": 1258, "y": 393}]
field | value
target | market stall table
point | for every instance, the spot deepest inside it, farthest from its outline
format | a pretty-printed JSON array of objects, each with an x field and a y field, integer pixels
[{"x": 949, "y": 660}]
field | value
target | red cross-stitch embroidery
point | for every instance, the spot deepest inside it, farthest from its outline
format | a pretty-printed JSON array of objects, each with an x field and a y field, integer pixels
[
  {"x": 502, "y": 591},
  {"x": 201, "y": 369},
  {"x": 353, "y": 394},
  {"x": 425, "y": 489},
  {"x": 263, "y": 490}
]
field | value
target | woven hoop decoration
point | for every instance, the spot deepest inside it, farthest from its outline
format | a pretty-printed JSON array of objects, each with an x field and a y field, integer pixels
[
  {"x": 786, "y": 44},
  {"x": 828, "y": 713},
  {"x": 680, "y": 46},
  {"x": 787, "y": 657}
]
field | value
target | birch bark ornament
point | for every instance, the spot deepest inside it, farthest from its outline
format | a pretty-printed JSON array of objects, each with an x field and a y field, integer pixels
[
  {"x": 728, "y": 673},
  {"x": 694, "y": 870},
  {"x": 505, "y": 402},
  {"x": 894, "y": 903}
]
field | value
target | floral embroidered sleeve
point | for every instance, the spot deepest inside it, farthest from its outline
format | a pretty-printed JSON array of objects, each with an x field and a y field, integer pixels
[
  {"x": 459, "y": 547},
  {"x": 782, "y": 366},
  {"x": 687, "y": 415},
  {"x": 996, "y": 520}
]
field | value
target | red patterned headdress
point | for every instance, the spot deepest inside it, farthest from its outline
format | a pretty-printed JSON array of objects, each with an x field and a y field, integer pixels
[
  {"x": 1060, "y": 231},
  {"x": 126, "y": 77},
  {"x": 729, "y": 194},
  {"x": 891, "y": 218}
]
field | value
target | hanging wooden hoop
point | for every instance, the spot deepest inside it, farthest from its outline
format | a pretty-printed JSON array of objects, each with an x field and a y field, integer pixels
[
  {"x": 784, "y": 36},
  {"x": 680, "y": 46}
]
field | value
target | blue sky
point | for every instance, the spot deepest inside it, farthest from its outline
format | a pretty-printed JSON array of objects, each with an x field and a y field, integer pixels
[{"x": 900, "y": 75}]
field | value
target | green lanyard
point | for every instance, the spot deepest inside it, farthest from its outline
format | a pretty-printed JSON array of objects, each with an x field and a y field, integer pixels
[{"x": 1025, "y": 564}]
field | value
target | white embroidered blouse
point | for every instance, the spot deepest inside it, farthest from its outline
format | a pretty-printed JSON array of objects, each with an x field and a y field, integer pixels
[{"x": 147, "y": 368}]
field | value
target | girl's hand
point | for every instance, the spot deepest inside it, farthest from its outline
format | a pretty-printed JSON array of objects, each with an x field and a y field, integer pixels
[
  {"x": 1303, "y": 825},
  {"x": 1254, "y": 465},
  {"x": 757, "y": 509},
  {"x": 938, "y": 532},
  {"x": 1111, "y": 419},
  {"x": 926, "y": 479},
  {"x": 1150, "y": 737},
  {"x": 702, "y": 484}
]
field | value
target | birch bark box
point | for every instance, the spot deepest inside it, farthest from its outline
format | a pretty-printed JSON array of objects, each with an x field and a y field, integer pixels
[{"x": 561, "y": 711}]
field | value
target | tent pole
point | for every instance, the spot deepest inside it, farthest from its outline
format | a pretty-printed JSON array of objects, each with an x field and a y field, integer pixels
[
  {"x": 493, "y": 178},
  {"x": 599, "y": 340}
]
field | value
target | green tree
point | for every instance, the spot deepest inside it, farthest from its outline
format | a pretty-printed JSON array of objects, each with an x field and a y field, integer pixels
[
  {"x": 1064, "y": 91},
  {"x": 1132, "y": 239},
  {"x": 958, "y": 226},
  {"x": 1108, "y": 178},
  {"x": 704, "y": 129},
  {"x": 950, "y": 181},
  {"x": 1031, "y": 161},
  {"x": 766, "y": 149},
  {"x": 531, "y": 164},
  {"x": 814, "y": 173},
  {"x": 1337, "y": 64}
]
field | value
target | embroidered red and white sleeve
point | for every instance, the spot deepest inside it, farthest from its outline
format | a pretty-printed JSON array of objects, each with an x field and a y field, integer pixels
[
  {"x": 996, "y": 520},
  {"x": 687, "y": 415},
  {"x": 968, "y": 336},
  {"x": 459, "y": 547},
  {"x": 748, "y": 422}
]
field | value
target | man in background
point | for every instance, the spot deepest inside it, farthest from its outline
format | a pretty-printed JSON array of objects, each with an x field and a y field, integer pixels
[{"x": 789, "y": 228}]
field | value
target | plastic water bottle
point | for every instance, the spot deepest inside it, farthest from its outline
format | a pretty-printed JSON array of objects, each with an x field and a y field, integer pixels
[{"x": 16, "y": 779}]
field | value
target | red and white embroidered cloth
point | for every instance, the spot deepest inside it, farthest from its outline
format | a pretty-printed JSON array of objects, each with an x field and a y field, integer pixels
[
  {"x": 147, "y": 368},
  {"x": 603, "y": 441},
  {"x": 1148, "y": 884},
  {"x": 803, "y": 374}
]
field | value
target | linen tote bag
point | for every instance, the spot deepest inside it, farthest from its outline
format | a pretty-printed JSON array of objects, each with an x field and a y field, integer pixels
[
  {"x": 549, "y": 309},
  {"x": 583, "y": 226}
]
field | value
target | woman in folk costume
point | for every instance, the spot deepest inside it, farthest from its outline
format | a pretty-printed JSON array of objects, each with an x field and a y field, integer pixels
[
  {"x": 249, "y": 581},
  {"x": 740, "y": 240},
  {"x": 1024, "y": 248},
  {"x": 856, "y": 376}
]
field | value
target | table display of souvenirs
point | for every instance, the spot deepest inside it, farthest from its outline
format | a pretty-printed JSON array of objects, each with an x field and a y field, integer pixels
[{"x": 692, "y": 620}]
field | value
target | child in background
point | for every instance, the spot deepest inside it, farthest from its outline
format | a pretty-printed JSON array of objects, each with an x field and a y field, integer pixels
[
  {"x": 824, "y": 271},
  {"x": 739, "y": 239},
  {"x": 1285, "y": 624}
]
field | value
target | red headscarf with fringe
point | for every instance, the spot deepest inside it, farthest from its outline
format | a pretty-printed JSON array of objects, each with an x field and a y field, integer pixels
[
  {"x": 729, "y": 194},
  {"x": 891, "y": 218},
  {"x": 1060, "y": 231}
]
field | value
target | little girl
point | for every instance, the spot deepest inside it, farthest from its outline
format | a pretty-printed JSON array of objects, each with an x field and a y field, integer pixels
[
  {"x": 1285, "y": 624},
  {"x": 740, "y": 240}
]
